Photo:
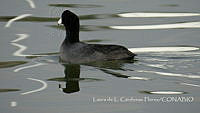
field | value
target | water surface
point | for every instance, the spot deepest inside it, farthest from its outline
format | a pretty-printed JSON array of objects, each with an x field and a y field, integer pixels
[{"x": 163, "y": 34}]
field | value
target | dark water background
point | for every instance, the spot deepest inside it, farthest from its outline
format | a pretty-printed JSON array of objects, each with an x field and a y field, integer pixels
[{"x": 73, "y": 88}]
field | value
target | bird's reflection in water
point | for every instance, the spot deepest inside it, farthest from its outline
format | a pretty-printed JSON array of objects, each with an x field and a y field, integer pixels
[
  {"x": 111, "y": 64},
  {"x": 72, "y": 77},
  {"x": 72, "y": 73}
]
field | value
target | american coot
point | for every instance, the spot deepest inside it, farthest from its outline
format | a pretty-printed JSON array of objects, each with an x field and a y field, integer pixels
[{"x": 74, "y": 51}]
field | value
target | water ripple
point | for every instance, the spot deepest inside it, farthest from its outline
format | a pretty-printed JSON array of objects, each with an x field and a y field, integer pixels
[
  {"x": 30, "y": 66},
  {"x": 31, "y": 3},
  {"x": 187, "y": 84},
  {"x": 76, "y": 5},
  {"x": 22, "y": 48},
  {"x": 138, "y": 78},
  {"x": 20, "y": 37},
  {"x": 63, "y": 79},
  {"x": 161, "y": 26},
  {"x": 8, "y": 64},
  {"x": 8, "y": 90},
  {"x": 98, "y": 16},
  {"x": 145, "y": 15},
  {"x": 8, "y": 24},
  {"x": 170, "y": 74},
  {"x": 161, "y": 66},
  {"x": 116, "y": 74},
  {"x": 162, "y": 49},
  {"x": 36, "y": 90},
  {"x": 164, "y": 92}
]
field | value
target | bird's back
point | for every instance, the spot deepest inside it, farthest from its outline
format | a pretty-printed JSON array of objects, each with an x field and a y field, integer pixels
[
  {"x": 83, "y": 53},
  {"x": 112, "y": 52}
]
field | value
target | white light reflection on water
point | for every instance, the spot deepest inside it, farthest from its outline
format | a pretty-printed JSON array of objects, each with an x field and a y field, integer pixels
[
  {"x": 138, "y": 78},
  {"x": 188, "y": 84},
  {"x": 162, "y": 49},
  {"x": 37, "y": 90},
  {"x": 21, "y": 47},
  {"x": 8, "y": 24},
  {"x": 30, "y": 66},
  {"x": 140, "y": 14},
  {"x": 161, "y": 26},
  {"x": 20, "y": 50},
  {"x": 20, "y": 37},
  {"x": 13, "y": 104},
  {"x": 166, "y": 92},
  {"x": 170, "y": 74},
  {"x": 161, "y": 66},
  {"x": 31, "y": 3}
]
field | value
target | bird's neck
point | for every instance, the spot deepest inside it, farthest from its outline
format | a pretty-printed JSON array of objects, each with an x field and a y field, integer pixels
[{"x": 72, "y": 36}]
